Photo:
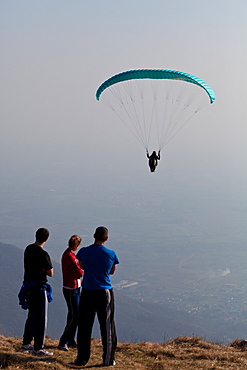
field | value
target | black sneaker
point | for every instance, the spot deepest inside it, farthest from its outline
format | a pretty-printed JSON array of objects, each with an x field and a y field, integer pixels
[
  {"x": 113, "y": 363},
  {"x": 26, "y": 348},
  {"x": 63, "y": 347},
  {"x": 78, "y": 362}
]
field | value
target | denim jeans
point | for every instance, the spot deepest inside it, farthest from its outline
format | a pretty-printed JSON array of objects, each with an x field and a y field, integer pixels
[{"x": 72, "y": 298}]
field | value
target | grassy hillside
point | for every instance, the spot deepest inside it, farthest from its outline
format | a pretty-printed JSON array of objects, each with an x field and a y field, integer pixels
[{"x": 182, "y": 353}]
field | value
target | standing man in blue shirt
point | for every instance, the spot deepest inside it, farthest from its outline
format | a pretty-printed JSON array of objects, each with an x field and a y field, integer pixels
[{"x": 98, "y": 263}]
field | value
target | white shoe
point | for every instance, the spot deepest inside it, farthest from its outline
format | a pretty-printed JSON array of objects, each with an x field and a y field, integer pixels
[{"x": 42, "y": 352}]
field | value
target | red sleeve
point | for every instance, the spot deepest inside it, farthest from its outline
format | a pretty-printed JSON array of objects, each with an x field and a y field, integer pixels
[
  {"x": 69, "y": 260},
  {"x": 75, "y": 267}
]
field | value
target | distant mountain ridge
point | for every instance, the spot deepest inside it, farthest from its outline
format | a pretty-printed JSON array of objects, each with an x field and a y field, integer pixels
[{"x": 135, "y": 320}]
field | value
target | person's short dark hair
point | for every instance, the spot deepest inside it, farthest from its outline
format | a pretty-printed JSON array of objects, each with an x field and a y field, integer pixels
[
  {"x": 42, "y": 235},
  {"x": 101, "y": 233}
]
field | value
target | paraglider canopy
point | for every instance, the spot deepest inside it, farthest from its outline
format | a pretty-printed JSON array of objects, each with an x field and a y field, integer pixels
[
  {"x": 155, "y": 74},
  {"x": 155, "y": 101}
]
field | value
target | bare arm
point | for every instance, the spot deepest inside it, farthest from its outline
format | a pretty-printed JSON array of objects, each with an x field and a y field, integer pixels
[
  {"x": 113, "y": 269},
  {"x": 49, "y": 272}
]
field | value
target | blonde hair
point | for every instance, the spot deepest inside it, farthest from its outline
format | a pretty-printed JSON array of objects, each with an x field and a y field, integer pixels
[{"x": 74, "y": 241}]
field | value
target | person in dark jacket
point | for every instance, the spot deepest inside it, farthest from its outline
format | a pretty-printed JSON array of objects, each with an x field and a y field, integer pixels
[
  {"x": 153, "y": 160},
  {"x": 37, "y": 266},
  {"x": 72, "y": 274}
]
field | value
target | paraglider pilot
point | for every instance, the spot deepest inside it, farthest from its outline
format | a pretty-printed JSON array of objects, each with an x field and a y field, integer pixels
[{"x": 153, "y": 160}]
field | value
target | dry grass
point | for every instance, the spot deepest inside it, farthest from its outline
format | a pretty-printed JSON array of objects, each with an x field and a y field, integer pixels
[{"x": 181, "y": 353}]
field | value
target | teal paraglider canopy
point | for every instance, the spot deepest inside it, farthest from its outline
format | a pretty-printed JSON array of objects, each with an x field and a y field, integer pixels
[
  {"x": 155, "y": 100},
  {"x": 165, "y": 74}
]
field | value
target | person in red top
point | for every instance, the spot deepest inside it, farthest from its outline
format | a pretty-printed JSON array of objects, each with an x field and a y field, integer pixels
[{"x": 72, "y": 274}]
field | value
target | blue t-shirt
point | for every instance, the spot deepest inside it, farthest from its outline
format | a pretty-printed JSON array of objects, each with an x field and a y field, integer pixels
[{"x": 97, "y": 261}]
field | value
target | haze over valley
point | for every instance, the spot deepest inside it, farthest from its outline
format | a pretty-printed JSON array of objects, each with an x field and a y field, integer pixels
[{"x": 69, "y": 164}]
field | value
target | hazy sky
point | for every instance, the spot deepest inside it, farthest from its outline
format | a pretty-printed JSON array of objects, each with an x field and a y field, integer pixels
[{"x": 56, "y": 137}]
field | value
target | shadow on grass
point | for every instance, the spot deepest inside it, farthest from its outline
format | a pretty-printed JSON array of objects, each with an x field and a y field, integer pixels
[{"x": 8, "y": 359}]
